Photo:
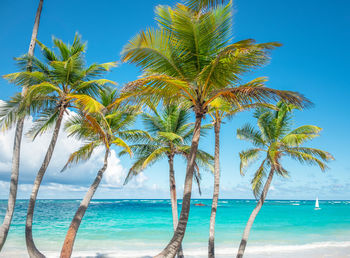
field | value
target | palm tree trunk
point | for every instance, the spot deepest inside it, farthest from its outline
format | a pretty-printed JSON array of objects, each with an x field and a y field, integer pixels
[
  {"x": 67, "y": 247},
  {"x": 174, "y": 199},
  {"x": 4, "y": 229},
  {"x": 32, "y": 250},
  {"x": 173, "y": 246},
  {"x": 214, "y": 206},
  {"x": 253, "y": 216}
]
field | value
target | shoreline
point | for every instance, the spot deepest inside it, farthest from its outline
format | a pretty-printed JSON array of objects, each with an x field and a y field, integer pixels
[{"x": 314, "y": 249}]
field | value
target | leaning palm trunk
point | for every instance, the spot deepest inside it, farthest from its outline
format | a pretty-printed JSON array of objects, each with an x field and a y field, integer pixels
[
  {"x": 32, "y": 250},
  {"x": 173, "y": 246},
  {"x": 174, "y": 199},
  {"x": 4, "y": 229},
  {"x": 214, "y": 205},
  {"x": 253, "y": 216},
  {"x": 67, "y": 248}
]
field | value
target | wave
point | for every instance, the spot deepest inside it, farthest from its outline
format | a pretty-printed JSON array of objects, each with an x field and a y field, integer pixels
[{"x": 104, "y": 202}]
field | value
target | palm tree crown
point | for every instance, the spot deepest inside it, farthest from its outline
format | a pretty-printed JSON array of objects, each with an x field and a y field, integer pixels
[
  {"x": 61, "y": 79},
  {"x": 276, "y": 139},
  {"x": 171, "y": 133},
  {"x": 104, "y": 129},
  {"x": 191, "y": 58}
]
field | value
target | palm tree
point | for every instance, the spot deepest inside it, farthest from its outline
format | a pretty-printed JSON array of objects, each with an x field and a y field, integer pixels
[
  {"x": 275, "y": 139},
  {"x": 219, "y": 110},
  {"x": 96, "y": 130},
  {"x": 171, "y": 133},
  {"x": 4, "y": 229},
  {"x": 190, "y": 59},
  {"x": 64, "y": 78}
]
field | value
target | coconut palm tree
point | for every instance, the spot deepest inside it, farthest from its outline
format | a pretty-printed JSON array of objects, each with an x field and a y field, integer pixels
[
  {"x": 111, "y": 128},
  {"x": 4, "y": 229},
  {"x": 171, "y": 133},
  {"x": 275, "y": 140},
  {"x": 190, "y": 59},
  {"x": 219, "y": 110},
  {"x": 64, "y": 78}
]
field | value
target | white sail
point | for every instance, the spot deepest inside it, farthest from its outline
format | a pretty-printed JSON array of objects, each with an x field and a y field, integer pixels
[{"x": 316, "y": 203}]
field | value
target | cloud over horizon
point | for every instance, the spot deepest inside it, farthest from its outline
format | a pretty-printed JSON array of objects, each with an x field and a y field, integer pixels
[{"x": 56, "y": 184}]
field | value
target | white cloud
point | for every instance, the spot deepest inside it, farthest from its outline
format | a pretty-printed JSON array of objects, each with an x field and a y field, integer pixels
[{"x": 56, "y": 184}]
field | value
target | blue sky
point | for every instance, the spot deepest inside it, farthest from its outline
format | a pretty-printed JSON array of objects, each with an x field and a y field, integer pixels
[{"x": 313, "y": 61}]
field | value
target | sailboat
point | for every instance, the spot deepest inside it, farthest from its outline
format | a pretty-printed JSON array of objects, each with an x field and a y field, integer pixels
[{"x": 317, "y": 206}]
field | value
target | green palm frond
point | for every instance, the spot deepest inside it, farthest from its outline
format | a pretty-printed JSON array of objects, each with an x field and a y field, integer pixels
[
  {"x": 135, "y": 135},
  {"x": 324, "y": 155},
  {"x": 170, "y": 137},
  {"x": 42, "y": 89},
  {"x": 85, "y": 103},
  {"x": 152, "y": 51},
  {"x": 247, "y": 132},
  {"x": 255, "y": 91},
  {"x": 48, "y": 54},
  {"x": 306, "y": 158},
  {"x": 46, "y": 121},
  {"x": 124, "y": 145},
  {"x": 10, "y": 111},
  {"x": 257, "y": 180},
  {"x": 26, "y": 78},
  {"x": 96, "y": 70},
  {"x": 134, "y": 170},
  {"x": 82, "y": 154},
  {"x": 267, "y": 126},
  {"x": 155, "y": 155},
  {"x": 300, "y": 135},
  {"x": 247, "y": 157},
  {"x": 204, "y": 160}
]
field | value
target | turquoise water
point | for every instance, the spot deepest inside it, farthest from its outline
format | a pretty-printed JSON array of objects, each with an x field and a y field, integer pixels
[{"x": 136, "y": 228}]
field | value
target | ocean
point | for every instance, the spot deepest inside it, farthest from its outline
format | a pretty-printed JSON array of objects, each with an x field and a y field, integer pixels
[{"x": 141, "y": 228}]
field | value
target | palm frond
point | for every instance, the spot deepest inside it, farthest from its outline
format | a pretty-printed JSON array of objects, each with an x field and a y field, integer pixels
[
  {"x": 247, "y": 132},
  {"x": 46, "y": 121},
  {"x": 307, "y": 157},
  {"x": 135, "y": 135},
  {"x": 300, "y": 135},
  {"x": 82, "y": 154},
  {"x": 124, "y": 145},
  {"x": 11, "y": 111},
  {"x": 169, "y": 136},
  {"x": 257, "y": 180},
  {"x": 247, "y": 157}
]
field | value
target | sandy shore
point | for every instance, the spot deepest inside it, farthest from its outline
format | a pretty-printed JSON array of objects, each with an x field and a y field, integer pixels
[{"x": 313, "y": 250}]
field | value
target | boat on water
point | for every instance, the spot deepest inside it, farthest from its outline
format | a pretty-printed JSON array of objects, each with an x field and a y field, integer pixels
[
  {"x": 317, "y": 206},
  {"x": 199, "y": 204}
]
